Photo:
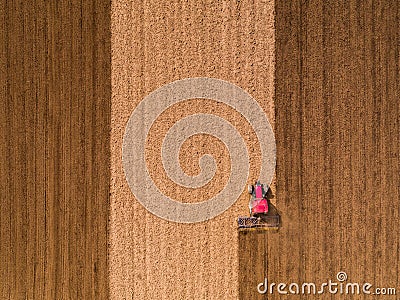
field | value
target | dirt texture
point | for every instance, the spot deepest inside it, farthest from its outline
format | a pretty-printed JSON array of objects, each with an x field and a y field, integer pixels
[
  {"x": 70, "y": 227},
  {"x": 55, "y": 104},
  {"x": 155, "y": 43}
]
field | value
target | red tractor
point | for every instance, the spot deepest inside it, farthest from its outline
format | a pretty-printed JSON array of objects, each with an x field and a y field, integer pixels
[
  {"x": 261, "y": 216},
  {"x": 258, "y": 202}
]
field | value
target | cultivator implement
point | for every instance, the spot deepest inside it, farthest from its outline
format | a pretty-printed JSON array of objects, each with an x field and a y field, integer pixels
[{"x": 262, "y": 223}]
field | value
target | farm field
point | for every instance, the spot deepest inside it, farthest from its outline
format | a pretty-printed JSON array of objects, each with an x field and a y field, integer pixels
[{"x": 80, "y": 217}]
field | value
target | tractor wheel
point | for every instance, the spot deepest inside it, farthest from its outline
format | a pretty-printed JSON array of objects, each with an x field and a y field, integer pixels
[{"x": 250, "y": 189}]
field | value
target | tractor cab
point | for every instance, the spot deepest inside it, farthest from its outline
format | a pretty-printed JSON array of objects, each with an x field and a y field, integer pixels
[{"x": 258, "y": 201}]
